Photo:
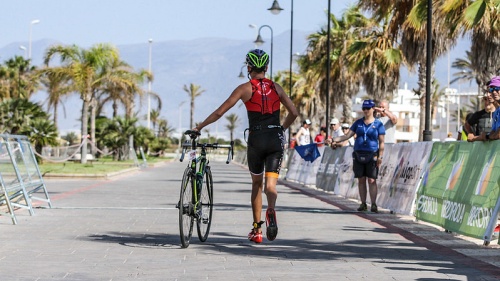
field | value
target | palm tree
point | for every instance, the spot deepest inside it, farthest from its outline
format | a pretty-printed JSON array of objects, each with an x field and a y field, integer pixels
[
  {"x": 299, "y": 97},
  {"x": 17, "y": 79},
  {"x": 16, "y": 115},
  {"x": 155, "y": 117},
  {"x": 57, "y": 85},
  {"x": 41, "y": 132},
  {"x": 84, "y": 68},
  {"x": 71, "y": 138},
  {"x": 407, "y": 24},
  {"x": 116, "y": 134},
  {"x": 193, "y": 91},
  {"x": 121, "y": 84},
  {"x": 437, "y": 95},
  {"x": 164, "y": 130},
  {"x": 233, "y": 123},
  {"x": 375, "y": 54},
  {"x": 480, "y": 20},
  {"x": 143, "y": 137}
]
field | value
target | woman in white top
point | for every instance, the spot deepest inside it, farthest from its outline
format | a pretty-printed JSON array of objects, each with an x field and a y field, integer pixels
[{"x": 304, "y": 135}]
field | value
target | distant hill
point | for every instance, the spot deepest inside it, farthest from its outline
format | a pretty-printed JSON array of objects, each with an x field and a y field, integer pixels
[{"x": 212, "y": 63}]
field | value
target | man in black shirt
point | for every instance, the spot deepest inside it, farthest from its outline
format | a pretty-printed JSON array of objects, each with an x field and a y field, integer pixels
[{"x": 480, "y": 121}]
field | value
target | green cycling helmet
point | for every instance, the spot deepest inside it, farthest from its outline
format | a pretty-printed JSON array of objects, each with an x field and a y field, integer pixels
[{"x": 257, "y": 59}]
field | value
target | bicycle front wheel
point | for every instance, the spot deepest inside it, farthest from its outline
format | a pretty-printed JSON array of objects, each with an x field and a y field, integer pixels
[
  {"x": 186, "y": 208},
  {"x": 207, "y": 203}
]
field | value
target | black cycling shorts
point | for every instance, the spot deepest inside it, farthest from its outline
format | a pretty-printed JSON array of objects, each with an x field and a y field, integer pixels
[
  {"x": 369, "y": 170},
  {"x": 265, "y": 150}
]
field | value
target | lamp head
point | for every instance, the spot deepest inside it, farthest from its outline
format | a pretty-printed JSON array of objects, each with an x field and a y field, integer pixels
[
  {"x": 275, "y": 8},
  {"x": 259, "y": 40}
]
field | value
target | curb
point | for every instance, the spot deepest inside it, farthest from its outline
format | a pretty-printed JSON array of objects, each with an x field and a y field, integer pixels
[{"x": 89, "y": 176}]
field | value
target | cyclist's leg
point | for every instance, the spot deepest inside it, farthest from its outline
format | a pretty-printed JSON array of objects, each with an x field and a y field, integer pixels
[
  {"x": 273, "y": 164},
  {"x": 271, "y": 191},
  {"x": 256, "y": 198}
]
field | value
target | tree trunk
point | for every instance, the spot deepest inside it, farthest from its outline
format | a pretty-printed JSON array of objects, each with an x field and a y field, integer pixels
[
  {"x": 85, "y": 120},
  {"x": 421, "y": 94},
  {"x": 93, "y": 111},
  {"x": 55, "y": 115},
  {"x": 191, "y": 114}
]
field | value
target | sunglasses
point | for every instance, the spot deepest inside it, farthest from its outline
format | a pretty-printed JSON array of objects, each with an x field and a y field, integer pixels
[
  {"x": 491, "y": 89},
  {"x": 366, "y": 108}
]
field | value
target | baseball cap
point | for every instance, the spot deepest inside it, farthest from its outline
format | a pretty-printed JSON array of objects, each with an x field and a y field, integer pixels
[
  {"x": 334, "y": 121},
  {"x": 307, "y": 121},
  {"x": 495, "y": 81},
  {"x": 345, "y": 125},
  {"x": 368, "y": 103}
]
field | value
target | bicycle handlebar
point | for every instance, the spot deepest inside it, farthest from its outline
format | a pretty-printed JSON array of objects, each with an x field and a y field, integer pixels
[{"x": 194, "y": 134}]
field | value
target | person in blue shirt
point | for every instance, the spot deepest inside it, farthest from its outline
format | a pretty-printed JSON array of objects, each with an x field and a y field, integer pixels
[
  {"x": 494, "y": 91},
  {"x": 368, "y": 153}
]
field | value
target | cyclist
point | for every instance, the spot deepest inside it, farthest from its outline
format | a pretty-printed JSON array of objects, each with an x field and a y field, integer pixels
[{"x": 262, "y": 98}]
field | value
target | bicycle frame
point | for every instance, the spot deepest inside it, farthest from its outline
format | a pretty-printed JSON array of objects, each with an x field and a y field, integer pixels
[{"x": 196, "y": 196}]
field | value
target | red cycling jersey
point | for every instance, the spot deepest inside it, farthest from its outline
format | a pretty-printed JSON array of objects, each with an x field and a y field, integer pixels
[{"x": 264, "y": 105}]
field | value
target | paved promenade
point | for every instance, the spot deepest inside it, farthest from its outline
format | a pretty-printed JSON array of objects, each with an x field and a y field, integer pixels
[{"x": 126, "y": 228}]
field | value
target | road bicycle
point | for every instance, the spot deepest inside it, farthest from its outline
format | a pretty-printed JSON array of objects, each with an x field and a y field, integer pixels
[{"x": 197, "y": 188}]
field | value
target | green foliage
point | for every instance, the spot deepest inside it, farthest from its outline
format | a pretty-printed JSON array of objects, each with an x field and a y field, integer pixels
[
  {"x": 16, "y": 115},
  {"x": 71, "y": 137}
]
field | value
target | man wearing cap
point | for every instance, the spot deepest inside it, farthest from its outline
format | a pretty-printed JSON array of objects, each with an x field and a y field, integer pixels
[
  {"x": 336, "y": 132},
  {"x": 388, "y": 119},
  {"x": 345, "y": 128},
  {"x": 304, "y": 135},
  {"x": 494, "y": 90}
]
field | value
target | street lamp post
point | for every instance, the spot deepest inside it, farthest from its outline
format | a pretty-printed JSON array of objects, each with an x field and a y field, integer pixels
[
  {"x": 328, "y": 62},
  {"x": 276, "y": 9},
  {"x": 31, "y": 31},
  {"x": 149, "y": 85},
  {"x": 427, "y": 133},
  {"x": 259, "y": 42}
]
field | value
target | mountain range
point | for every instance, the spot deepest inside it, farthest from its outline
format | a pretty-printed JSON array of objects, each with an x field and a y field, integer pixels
[{"x": 212, "y": 63}]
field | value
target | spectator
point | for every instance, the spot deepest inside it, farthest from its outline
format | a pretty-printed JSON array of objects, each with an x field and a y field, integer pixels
[
  {"x": 462, "y": 134},
  {"x": 450, "y": 137},
  {"x": 293, "y": 142},
  {"x": 368, "y": 152},
  {"x": 389, "y": 120},
  {"x": 345, "y": 129},
  {"x": 304, "y": 135},
  {"x": 336, "y": 132},
  {"x": 480, "y": 121},
  {"x": 494, "y": 90},
  {"x": 321, "y": 137}
]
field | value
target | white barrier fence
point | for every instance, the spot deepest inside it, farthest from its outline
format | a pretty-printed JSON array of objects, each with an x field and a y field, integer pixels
[
  {"x": 20, "y": 177},
  {"x": 462, "y": 174}
]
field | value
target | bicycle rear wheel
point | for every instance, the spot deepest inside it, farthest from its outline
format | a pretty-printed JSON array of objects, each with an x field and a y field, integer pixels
[
  {"x": 207, "y": 203},
  {"x": 186, "y": 210}
]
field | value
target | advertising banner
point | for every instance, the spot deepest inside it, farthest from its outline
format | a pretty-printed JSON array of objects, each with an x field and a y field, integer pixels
[
  {"x": 303, "y": 171},
  {"x": 346, "y": 185},
  {"x": 459, "y": 190},
  {"x": 400, "y": 174}
]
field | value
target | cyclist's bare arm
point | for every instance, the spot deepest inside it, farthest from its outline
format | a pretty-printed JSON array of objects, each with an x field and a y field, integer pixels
[
  {"x": 236, "y": 95},
  {"x": 287, "y": 102}
]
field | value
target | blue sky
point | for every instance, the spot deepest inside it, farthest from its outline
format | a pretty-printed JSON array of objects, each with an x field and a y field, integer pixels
[{"x": 126, "y": 21}]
